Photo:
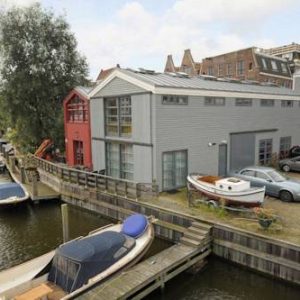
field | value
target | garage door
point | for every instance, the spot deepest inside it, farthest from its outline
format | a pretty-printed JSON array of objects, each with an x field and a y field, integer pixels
[{"x": 242, "y": 150}]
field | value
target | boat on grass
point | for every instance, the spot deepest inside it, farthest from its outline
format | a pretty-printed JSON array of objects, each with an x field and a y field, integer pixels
[
  {"x": 11, "y": 193},
  {"x": 79, "y": 264},
  {"x": 232, "y": 191}
]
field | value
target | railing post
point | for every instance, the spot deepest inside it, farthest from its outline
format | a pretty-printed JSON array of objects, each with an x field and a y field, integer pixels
[
  {"x": 34, "y": 186},
  {"x": 137, "y": 192},
  {"x": 125, "y": 189},
  {"x": 116, "y": 187},
  {"x": 86, "y": 180},
  {"x": 96, "y": 182}
]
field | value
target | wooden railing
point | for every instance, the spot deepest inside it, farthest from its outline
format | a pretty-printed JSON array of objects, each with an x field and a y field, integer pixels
[{"x": 99, "y": 182}]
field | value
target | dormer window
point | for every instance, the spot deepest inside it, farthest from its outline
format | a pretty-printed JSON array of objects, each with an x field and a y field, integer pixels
[
  {"x": 274, "y": 65},
  {"x": 264, "y": 62},
  {"x": 284, "y": 68}
]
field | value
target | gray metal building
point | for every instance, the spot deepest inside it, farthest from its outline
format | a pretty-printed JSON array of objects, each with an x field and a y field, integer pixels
[{"x": 159, "y": 127}]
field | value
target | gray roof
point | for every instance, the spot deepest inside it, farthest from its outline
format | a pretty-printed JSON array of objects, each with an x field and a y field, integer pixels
[
  {"x": 167, "y": 80},
  {"x": 84, "y": 90}
]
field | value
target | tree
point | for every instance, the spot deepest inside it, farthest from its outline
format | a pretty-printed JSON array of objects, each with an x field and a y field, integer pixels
[{"x": 39, "y": 66}]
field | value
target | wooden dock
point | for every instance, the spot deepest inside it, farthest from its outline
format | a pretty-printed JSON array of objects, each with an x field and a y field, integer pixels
[{"x": 155, "y": 271}]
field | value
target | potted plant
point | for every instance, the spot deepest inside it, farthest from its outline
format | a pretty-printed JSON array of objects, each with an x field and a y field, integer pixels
[{"x": 265, "y": 216}]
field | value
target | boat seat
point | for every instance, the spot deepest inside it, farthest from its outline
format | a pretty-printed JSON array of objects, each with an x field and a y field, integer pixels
[
  {"x": 209, "y": 178},
  {"x": 44, "y": 291},
  {"x": 37, "y": 293}
]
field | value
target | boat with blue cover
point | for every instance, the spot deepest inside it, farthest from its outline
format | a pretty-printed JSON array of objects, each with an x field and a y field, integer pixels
[
  {"x": 11, "y": 193},
  {"x": 79, "y": 264}
]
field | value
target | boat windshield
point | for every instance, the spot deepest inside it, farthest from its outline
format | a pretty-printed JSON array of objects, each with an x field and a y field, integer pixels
[{"x": 276, "y": 176}]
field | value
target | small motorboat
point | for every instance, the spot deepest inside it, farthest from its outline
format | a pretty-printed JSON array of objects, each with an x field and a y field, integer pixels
[
  {"x": 233, "y": 191},
  {"x": 12, "y": 192},
  {"x": 81, "y": 263}
]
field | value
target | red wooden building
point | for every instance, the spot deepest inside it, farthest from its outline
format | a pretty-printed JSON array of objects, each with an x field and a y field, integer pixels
[{"x": 77, "y": 128}]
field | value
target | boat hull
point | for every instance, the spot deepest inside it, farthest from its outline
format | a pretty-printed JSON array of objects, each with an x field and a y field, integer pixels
[
  {"x": 26, "y": 275},
  {"x": 249, "y": 198}
]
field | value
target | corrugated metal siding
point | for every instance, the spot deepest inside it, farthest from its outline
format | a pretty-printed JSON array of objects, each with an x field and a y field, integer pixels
[
  {"x": 194, "y": 125},
  {"x": 141, "y": 118},
  {"x": 142, "y": 160},
  {"x": 98, "y": 154},
  {"x": 119, "y": 87},
  {"x": 97, "y": 117}
]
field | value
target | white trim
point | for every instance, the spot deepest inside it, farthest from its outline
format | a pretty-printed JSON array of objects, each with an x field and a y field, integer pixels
[
  {"x": 277, "y": 76},
  {"x": 190, "y": 92},
  {"x": 126, "y": 77}
]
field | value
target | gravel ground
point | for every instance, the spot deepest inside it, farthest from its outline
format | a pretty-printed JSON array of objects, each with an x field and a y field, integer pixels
[{"x": 287, "y": 228}]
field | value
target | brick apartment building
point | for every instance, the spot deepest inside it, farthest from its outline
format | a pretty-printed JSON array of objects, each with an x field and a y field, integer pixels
[
  {"x": 245, "y": 64},
  {"x": 290, "y": 52}
]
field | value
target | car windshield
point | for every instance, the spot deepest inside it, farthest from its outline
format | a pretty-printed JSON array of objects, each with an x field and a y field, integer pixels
[{"x": 276, "y": 176}]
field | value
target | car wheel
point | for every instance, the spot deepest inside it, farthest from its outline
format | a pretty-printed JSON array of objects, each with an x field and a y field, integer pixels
[
  {"x": 286, "y": 168},
  {"x": 286, "y": 196}
]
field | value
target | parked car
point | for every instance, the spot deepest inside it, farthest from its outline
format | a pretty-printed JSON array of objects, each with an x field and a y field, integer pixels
[
  {"x": 290, "y": 164},
  {"x": 294, "y": 151},
  {"x": 276, "y": 184}
]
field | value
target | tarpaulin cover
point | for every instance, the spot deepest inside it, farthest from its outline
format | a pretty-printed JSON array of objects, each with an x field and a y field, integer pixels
[
  {"x": 79, "y": 260},
  {"x": 11, "y": 189}
]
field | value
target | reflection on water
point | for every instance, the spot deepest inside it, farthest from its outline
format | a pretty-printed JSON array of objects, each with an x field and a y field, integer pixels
[
  {"x": 224, "y": 281},
  {"x": 29, "y": 230}
]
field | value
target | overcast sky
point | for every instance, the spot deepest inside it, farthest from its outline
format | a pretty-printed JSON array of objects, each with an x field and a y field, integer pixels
[{"x": 142, "y": 33}]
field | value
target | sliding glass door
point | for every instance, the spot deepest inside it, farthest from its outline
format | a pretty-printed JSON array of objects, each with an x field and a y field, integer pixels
[{"x": 174, "y": 169}]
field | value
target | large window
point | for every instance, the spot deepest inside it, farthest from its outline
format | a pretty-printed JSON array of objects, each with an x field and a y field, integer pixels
[
  {"x": 285, "y": 145},
  {"x": 210, "y": 71},
  {"x": 119, "y": 160},
  {"x": 240, "y": 67},
  {"x": 77, "y": 110},
  {"x": 214, "y": 101},
  {"x": 265, "y": 151},
  {"x": 229, "y": 70},
  {"x": 174, "y": 169},
  {"x": 118, "y": 119}
]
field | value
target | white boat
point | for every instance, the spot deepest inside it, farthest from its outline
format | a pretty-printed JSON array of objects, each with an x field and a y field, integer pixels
[
  {"x": 81, "y": 263},
  {"x": 12, "y": 193},
  {"x": 231, "y": 190}
]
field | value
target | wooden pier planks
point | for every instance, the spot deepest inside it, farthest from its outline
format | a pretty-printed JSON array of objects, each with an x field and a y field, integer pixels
[{"x": 149, "y": 274}]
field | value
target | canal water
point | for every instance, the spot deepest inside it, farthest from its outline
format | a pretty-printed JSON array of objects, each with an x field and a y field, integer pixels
[{"x": 29, "y": 230}]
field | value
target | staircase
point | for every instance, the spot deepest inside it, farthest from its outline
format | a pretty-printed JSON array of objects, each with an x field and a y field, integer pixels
[{"x": 197, "y": 235}]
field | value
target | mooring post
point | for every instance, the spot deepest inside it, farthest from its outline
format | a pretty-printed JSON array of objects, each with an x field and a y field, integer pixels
[
  {"x": 23, "y": 176},
  {"x": 65, "y": 222}
]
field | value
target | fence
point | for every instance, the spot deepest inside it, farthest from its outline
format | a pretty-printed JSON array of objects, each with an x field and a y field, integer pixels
[{"x": 99, "y": 182}]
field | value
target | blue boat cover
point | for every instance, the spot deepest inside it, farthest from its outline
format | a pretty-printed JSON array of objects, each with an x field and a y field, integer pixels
[
  {"x": 135, "y": 225},
  {"x": 76, "y": 262},
  {"x": 11, "y": 189}
]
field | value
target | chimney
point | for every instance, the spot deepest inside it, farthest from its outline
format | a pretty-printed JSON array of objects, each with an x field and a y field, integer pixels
[
  {"x": 296, "y": 76},
  {"x": 169, "y": 67}
]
